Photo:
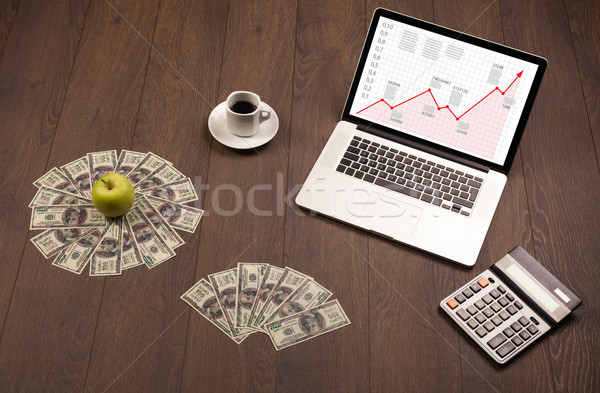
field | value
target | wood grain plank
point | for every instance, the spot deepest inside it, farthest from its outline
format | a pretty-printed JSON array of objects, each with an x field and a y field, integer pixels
[
  {"x": 148, "y": 353},
  {"x": 562, "y": 180},
  {"x": 8, "y": 9},
  {"x": 34, "y": 71},
  {"x": 53, "y": 313},
  {"x": 258, "y": 56},
  {"x": 583, "y": 22},
  {"x": 329, "y": 38}
]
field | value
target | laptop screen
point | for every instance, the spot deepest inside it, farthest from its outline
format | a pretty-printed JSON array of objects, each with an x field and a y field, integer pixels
[{"x": 456, "y": 92}]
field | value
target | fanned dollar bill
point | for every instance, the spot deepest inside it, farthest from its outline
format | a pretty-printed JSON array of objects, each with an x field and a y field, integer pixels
[
  {"x": 52, "y": 241},
  {"x": 70, "y": 216},
  {"x": 100, "y": 163},
  {"x": 289, "y": 281},
  {"x": 146, "y": 166},
  {"x": 75, "y": 257},
  {"x": 310, "y": 294},
  {"x": 168, "y": 234},
  {"x": 164, "y": 174},
  {"x": 127, "y": 161},
  {"x": 179, "y": 192},
  {"x": 78, "y": 172},
  {"x": 54, "y": 178},
  {"x": 106, "y": 259},
  {"x": 151, "y": 246},
  {"x": 47, "y": 196},
  {"x": 177, "y": 215},
  {"x": 271, "y": 277},
  {"x": 249, "y": 277},
  {"x": 225, "y": 284},
  {"x": 307, "y": 324},
  {"x": 203, "y": 299},
  {"x": 130, "y": 255}
]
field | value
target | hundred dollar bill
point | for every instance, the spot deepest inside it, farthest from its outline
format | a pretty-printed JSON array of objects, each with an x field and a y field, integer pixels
[
  {"x": 179, "y": 192},
  {"x": 100, "y": 163},
  {"x": 106, "y": 259},
  {"x": 127, "y": 161},
  {"x": 164, "y": 174},
  {"x": 54, "y": 178},
  {"x": 271, "y": 277},
  {"x": 53, "y": 240},
  {"x": 70, "y": 216},
  {"x": 310, "y": 294},
  {"x": 151, "y": 246},
  {"x": 249, "y": 278},
  {"x": 177, "y": 215},
  {"x": 49, "y": 196},
  {"x": 289, "y": 281},
  {"x": 130, "y": 255},
  {"x": 168, "y": 234},
  {"x": 307, "y": 324},
  {"x": 78, "y": 173},
  {"x": 203, "y": 299},
  {"x": 146, "y": 166},
  {"x": 75, "y": 257},
  {"x": 225, "y": 284}
]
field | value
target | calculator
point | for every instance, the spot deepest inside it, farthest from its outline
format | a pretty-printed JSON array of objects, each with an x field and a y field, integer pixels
[{"x": 510, "y": 305}]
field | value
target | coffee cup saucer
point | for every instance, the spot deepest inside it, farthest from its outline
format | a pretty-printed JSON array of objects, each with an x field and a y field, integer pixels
[{"x": 217, "y": 124}]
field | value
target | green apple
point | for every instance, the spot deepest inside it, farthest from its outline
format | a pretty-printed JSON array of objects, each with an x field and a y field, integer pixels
[{"x": 113, "y": 195}]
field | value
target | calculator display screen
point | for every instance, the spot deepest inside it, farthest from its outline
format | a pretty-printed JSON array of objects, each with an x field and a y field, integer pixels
[{"x": 532, "y": 288}]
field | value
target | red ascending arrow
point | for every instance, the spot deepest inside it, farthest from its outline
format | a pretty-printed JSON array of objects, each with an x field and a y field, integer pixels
[{"x": 445, "y": 107}]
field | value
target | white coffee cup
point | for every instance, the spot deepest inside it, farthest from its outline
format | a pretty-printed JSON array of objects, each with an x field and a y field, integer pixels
[{"x": 245, "y": 112}]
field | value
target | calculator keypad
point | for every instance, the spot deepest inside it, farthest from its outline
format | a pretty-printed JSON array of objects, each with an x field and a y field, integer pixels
[{"x": 494, "y": 316}]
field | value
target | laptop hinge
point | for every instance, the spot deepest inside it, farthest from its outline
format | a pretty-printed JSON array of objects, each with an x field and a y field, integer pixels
[{"x": 428, "y": 149}]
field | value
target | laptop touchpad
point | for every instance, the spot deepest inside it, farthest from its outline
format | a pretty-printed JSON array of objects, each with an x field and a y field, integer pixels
[{"x": 387, "y": 214}]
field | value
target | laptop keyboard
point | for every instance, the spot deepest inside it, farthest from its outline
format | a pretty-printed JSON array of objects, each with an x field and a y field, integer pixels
[{"x": 411, "y": 175}]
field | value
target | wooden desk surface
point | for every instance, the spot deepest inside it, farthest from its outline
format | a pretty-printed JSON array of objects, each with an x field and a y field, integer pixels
[{"x": 82, "y": 76}]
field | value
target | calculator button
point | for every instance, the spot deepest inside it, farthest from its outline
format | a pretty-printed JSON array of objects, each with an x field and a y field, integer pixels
[
  {"x": 463, "y": 314},
  {"x": 475, "y": 288},
  {"x": 460, "y": 298},
  {"x": 511, "y": 309},
  {"x": 518, "y": 305},
  {"x": 535, "y": 321},
  {"x": 481, "y": 331},
  {"x": 503, "y": 302},
  {"x": 516, "y": 327},
  {"x": 523, "y": 321},
  {"x": 496, "y": 341},
  {"x": 452, "y": 304},
  {"x": 468, "y": 293},
  {"x": 472, "y": 310},
  {"x": 479, "y": 304},
  {"x": 497, "y": 321},
  {"x": 501, "y": 289},
  {"x": 487, "y": 299},
  {"x": 495, "y": 307},
  {"x": 525, "y": 335},
  {"x": 472, "y": 323},
  {"x": 480, "y": 318},
  {"x": 495, "y": 294},
  {"x": 508, "y": 332},
  {"x": 482, "y": 282},
  {"x": 505, "y": 349},
  {"x": 504, "y": 315},
  {"x": 532, "y": 329},
  {"x": 488, "y": 326},
  {"x": 517, "y": 341},
  {"x": 488, "y": 313},
  {"x": 510, "y": 297}
]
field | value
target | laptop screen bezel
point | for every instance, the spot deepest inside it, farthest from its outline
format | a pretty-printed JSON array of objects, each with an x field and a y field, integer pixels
[{"x": 403, "y": 137}]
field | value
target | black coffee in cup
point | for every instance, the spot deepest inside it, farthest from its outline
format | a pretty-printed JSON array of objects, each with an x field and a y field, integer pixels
[{"x": 243, "y": 107}]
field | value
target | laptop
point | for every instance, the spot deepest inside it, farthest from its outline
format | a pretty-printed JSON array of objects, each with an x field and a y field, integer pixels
[{"x": 429, "y": 131}]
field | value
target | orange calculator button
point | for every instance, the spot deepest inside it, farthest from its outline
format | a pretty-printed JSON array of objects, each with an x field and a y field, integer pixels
[
  {"x": 452, "y": 303},
  {"x": 482, "y": 282}
]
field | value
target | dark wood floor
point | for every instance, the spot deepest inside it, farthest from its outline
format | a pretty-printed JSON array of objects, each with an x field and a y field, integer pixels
[{"x": 87, "y": 75}]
